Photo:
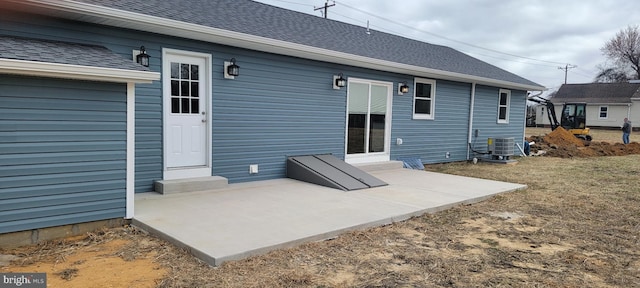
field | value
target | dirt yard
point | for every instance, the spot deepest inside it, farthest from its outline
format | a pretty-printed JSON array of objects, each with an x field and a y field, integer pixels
[
  {"x": 561, "y": 143},
  {"x": 577, "y": 225}
]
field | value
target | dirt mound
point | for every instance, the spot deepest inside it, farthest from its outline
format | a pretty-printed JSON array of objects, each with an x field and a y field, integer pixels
[
  {"x": 562, "y": 137},
  {"x": 561, "y": 143}
]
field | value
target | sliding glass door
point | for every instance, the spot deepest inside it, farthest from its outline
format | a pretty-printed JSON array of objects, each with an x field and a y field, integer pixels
[{"x": 368, "y": 121}]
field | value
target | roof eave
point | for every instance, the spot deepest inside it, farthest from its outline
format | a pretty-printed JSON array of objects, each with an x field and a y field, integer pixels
[
  {"x": 77, "y": 72},
  {"x": 125, "y": 19},
  {"x": 562, "y": 101}
]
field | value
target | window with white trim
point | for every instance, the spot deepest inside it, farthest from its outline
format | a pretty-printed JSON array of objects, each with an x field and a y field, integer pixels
[
  {"x": 604, "y": 112},
  {"x": 424, "y": 98},
  {"x": 504, "y": 100}
]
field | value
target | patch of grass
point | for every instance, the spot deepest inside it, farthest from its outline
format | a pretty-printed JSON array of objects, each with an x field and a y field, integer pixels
[
  {"x": 68, "y": 273},
  {"x": 490, "y": 242}
]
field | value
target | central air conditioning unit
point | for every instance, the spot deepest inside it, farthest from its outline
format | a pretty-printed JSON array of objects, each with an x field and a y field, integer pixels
[{"x": 500, "y": 147}]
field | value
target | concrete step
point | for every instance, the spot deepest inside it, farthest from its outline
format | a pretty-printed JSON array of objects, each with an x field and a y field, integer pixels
[
  {"x": 190, "y": 185},
  {"x": 377, "y": 166}
]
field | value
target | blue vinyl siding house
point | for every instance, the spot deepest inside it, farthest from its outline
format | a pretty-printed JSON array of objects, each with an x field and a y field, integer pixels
[{"x": 83, "y": 127}]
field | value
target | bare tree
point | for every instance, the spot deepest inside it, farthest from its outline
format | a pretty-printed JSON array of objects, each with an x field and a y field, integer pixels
[
  {"x": 610, "y": 75},
  {"x": 624, "y": 49}
]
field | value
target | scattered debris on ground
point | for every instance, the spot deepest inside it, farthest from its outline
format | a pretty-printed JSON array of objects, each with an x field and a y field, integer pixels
[
  {"x": 118, "y": 257},
  {"x": 561, "y": 143}
]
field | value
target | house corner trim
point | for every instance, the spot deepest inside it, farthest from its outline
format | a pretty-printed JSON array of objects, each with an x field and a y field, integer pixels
[{"x": 131, "y": 149}]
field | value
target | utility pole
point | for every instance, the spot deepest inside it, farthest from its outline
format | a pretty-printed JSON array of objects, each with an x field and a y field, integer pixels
[
  {"x": 566, "y": 69},
  {"x": 325, "y": 7}
]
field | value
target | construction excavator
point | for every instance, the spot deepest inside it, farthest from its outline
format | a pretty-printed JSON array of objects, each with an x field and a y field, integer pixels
[{"x": 573, "y": 118}]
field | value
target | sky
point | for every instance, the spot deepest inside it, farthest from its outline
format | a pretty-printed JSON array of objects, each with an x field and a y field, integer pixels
[{"x": 533, "y": 38}]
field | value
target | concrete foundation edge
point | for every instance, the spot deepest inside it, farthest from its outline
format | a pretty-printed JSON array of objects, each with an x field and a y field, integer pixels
[{"x": 35, "y": 236}]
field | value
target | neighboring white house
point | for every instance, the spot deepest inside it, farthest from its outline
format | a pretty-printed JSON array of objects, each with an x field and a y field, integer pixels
[{"x": 607, "y": 103}]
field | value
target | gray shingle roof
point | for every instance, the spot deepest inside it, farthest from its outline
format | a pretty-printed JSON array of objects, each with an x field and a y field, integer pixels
[
  {"x": 597, "y": 93},
  {"x": 63, "y": 53},
  {"x": 271, "y": 22}
]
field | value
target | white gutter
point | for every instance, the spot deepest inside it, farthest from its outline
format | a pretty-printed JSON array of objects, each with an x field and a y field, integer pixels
[
  {"x": 473, "y": 101},
  {"x": 119, "y": 18},
  {"x": 55, "y": 70}
]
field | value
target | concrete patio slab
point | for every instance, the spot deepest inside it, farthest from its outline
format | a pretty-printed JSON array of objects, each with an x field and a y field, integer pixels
[{"x": 253, "y": 218}]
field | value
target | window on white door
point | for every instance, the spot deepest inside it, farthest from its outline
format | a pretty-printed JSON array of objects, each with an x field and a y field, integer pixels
[{"x": 185, "y": 92}]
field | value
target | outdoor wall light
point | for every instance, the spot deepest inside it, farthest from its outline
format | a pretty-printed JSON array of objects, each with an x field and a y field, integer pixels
[
  {"x": 143, "y": 58},
  {"x": 339, "y": 81},
  {"x": 403, "y": 88},
  {"x": 231, "y": 70}
]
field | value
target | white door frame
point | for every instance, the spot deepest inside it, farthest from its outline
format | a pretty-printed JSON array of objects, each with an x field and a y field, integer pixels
[
  {"x": 371, "y": 157},
  {"x": 187, "y": 172}
]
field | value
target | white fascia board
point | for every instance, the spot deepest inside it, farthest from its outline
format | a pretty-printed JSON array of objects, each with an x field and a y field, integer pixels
[
  {"x": 593, "y": 103},
  {"x": 608, "y": 104},
  {"x": 78, "y": 72},
  {"x": 119, "y": 18}
]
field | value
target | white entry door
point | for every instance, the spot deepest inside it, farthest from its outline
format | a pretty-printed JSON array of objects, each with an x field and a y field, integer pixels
[{"x": 186, "y": 92}]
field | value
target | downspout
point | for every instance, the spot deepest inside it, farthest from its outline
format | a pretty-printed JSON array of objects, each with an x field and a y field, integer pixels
[
  {"x": 629, "y": 111},
  {"x": 131, "y": 151},
  {"x": 524, "y": 126},
  {"x": 473, "y": 100}
]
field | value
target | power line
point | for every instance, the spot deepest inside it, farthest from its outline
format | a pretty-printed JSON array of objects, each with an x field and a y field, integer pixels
[
  {"x": 586, "y": 71},
  {"x": 583, "y": 75},
  {"x": 385, "y": 29},
  {"x": 512, "y": 60},
  {"x": 446, "y": 38},
  {"x": 296, "y": 3}
]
